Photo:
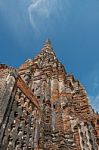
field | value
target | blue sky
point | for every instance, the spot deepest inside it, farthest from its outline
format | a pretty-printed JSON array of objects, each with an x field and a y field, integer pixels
[{"x": 72, "y": 26}]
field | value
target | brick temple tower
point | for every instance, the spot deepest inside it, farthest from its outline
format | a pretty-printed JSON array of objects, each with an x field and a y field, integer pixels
[{"x": 44, "y": 108}]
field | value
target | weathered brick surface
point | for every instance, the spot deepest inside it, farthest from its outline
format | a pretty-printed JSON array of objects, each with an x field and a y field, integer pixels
[{"x": 65, "y": 120}]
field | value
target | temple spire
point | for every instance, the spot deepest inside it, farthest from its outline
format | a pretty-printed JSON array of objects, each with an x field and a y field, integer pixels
[
  {"x": 47, "y": 46},
  {"x": 48, "y": 41}
]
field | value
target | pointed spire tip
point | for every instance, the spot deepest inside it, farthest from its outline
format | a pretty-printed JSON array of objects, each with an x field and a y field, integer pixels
[{"x": 48, "y": 41}]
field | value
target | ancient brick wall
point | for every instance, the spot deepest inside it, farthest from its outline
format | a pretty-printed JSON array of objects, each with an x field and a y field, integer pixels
[{"x": 65, "y": 122}]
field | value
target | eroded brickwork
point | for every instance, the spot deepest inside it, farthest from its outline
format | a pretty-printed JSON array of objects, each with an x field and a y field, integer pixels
[{"x": 64, "y": 121}]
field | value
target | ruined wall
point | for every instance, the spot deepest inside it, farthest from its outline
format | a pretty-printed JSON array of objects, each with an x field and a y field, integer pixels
[
  {"x": 67, "y": 122},
  {"x": 18, "y": 115}
]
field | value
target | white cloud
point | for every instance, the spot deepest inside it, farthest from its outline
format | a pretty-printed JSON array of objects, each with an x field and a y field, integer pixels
[{"x": 42, "y": 13}]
